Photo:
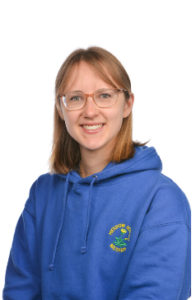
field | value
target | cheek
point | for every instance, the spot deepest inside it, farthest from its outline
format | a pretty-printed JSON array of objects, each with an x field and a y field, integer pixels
[
  {"x": 115, "y": 117},
  {"x": 69, "y": 117},
  {"x": 71, "y": 123}
]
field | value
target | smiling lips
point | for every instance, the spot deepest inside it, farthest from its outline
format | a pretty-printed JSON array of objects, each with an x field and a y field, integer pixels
[
  {"x": 91, "y": 124},
  {"x": 93, "y": 128}
]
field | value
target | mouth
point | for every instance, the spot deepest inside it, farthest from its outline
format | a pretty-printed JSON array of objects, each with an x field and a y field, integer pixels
[{"x": 92, "y": 128}]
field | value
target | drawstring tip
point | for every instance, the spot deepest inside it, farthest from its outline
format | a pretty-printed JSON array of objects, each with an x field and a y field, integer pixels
[
  {"x": 51, "y": 267},
  {"x": 83, "y": 249}
]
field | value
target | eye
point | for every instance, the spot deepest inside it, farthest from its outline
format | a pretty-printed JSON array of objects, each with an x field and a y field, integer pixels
[
  {"x": 105, "y": 95},
  {"x": 75, "y": 98}
]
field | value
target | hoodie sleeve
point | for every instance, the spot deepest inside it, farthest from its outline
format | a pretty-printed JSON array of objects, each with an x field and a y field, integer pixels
[
  {"x": 22, "y": 279},
  {"x": 160, "y": 267}
]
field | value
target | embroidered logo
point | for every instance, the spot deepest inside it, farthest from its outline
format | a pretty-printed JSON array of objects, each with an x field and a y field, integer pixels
[{"x": 120, "y": 242}]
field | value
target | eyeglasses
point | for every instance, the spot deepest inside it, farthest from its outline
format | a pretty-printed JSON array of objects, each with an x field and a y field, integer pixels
[{"x": 103, "y": 98}]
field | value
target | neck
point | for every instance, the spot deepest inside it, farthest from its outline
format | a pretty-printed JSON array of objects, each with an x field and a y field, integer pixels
[
  {"x": 89, "y": 166},
  {"x": 94, "y": 161},
  {"x": 87, "y": 170}
]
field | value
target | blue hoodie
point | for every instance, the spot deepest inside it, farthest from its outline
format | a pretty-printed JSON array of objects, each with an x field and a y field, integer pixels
[{"x": 121, "y": 234}]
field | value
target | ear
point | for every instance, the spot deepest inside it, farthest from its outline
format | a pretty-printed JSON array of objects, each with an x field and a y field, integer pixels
[
  {"x": 128, "y": 106},
  {"x": 59, "y": 108}
]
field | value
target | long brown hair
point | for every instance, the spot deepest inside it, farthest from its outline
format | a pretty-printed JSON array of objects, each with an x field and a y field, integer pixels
[{"x": 65, "y": 150}]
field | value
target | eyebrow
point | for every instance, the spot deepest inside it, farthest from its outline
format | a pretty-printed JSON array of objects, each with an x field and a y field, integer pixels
[{"x": 95, "y": 91}]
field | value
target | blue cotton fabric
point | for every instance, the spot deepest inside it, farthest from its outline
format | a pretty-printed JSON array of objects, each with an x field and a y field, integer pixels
[{"x": 121, "y": 234}]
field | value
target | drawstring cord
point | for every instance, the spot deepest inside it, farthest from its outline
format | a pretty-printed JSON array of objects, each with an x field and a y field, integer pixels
[
  {"x": 51, "y": 266},
  {"x": 83, "y": 248}
]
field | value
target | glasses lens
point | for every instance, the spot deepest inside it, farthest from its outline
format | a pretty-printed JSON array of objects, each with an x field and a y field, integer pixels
[
  {"x": 103, "y": 98},
  {"x": 106, "y": 98},
  {"x": 74, "y": 100}
]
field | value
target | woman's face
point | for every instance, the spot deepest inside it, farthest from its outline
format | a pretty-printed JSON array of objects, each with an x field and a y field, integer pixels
[{"x": 87, "y": 81}]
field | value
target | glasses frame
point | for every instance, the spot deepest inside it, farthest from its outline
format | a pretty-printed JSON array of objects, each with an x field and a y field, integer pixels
[{"x": 91, "y": 95}]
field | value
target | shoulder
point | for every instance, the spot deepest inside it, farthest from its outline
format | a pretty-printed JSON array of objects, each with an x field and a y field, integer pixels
[
  {"x": 169, "y": 205},
  {"x": 44, "y": 182},
  {"x": 40, "y": 191}
]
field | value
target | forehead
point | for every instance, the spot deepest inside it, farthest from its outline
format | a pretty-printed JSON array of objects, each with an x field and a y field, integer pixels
[{"x": 86, "y": 74}]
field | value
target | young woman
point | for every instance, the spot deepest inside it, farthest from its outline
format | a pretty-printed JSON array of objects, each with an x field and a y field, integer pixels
[{"x": 104, "y": 223}]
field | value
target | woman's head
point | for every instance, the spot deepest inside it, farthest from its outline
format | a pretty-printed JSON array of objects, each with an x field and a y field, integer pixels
[{"x": 89, "y": 70}]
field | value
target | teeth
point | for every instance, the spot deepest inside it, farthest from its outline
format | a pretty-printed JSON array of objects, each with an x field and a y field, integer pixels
[{"x": 92, "y": 127}]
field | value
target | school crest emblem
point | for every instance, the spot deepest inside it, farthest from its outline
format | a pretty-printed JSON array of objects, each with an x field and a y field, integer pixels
[{"x": 124, "y": 232}]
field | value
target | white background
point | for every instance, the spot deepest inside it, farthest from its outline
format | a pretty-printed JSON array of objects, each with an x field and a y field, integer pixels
[{"x": 154, "y": 40}]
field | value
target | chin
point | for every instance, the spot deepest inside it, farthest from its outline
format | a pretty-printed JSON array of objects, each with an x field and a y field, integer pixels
[{"x": 91, "y": 147}]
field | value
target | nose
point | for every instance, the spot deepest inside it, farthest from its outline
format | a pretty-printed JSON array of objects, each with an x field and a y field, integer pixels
[{"x": 90, "y": 109}]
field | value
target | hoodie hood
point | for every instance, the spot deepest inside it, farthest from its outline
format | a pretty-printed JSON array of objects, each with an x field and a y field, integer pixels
[{"x": 145, "y": 158}]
